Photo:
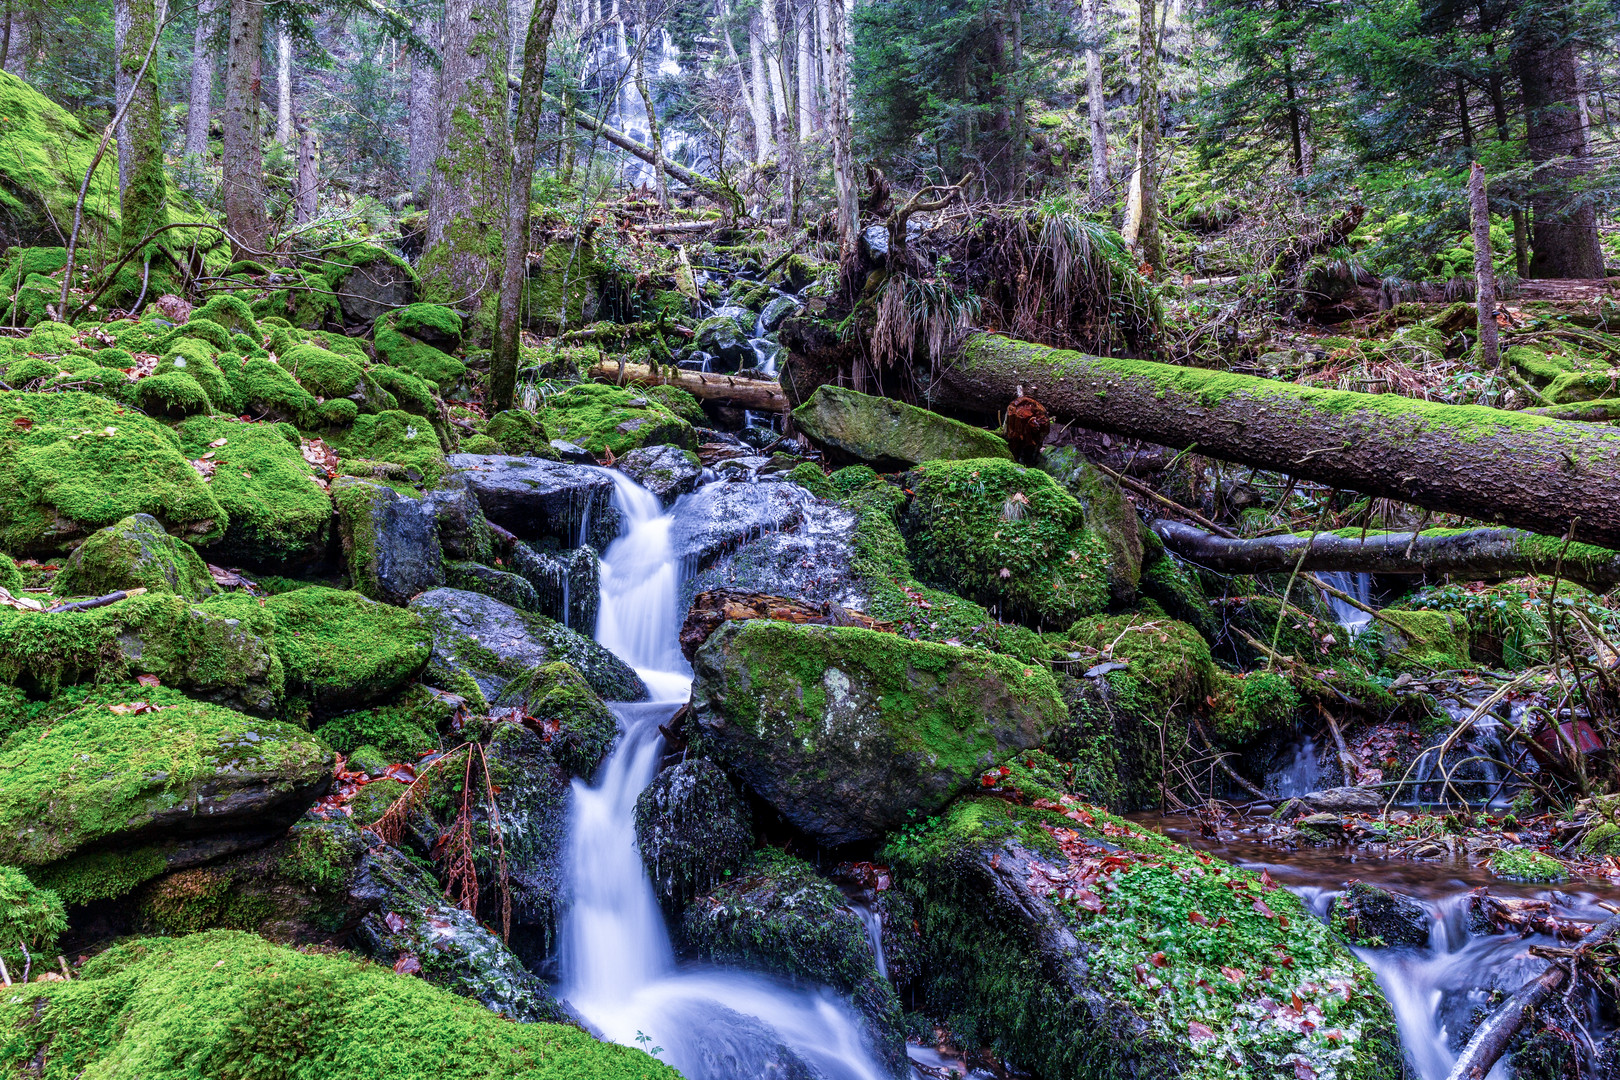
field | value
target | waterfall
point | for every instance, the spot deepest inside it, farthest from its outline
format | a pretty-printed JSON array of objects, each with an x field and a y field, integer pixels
[
  {"x": 1352, "y": 618},
  {"x": 617, "y": 964},
  {"x": 1303, "y": 773}
]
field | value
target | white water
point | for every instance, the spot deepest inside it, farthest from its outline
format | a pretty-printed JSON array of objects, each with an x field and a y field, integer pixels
[
  {"x": 617, "y": 965},
  {"x": 1352, "y": 618}
]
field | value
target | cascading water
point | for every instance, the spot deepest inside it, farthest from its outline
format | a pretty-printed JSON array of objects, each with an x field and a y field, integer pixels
[
  {"x": 617, "y": 965},
  {"x": 1352, "y": 618}
]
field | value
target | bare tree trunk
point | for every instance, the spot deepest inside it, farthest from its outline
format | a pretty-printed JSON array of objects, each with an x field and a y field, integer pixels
[
  {"x": 121, "y": 82},
  {"x": 1484, "y": 275},
  {"x": 764, "y": 144},
  {"x": 1096, "y": 106},
  {"x": 243, "y": 157},
  {"x": 530, "y": 108},
  {"x": 782, "y": 126},
  {"x": 472, "y": 174},
  {"x": 809, "y": 106},
  {"x": 643, "y": 29},
  {"x": 144, "y": 194},
  {"x": 1148, "y": 244},
  {"x": 837, "y": 58},
  {"x": 424, "y": 108},
  {"x": 200, "y": 107},
  {"x": 750, "y": 102},
  {"x": 285, "y": 129},
  {"x": 306, "y": 199},
  {"x": 1521, "y": 234},
  {"x": 5, "y": 38},
  {"x": 1565, "y": 241},
  {"x": 1016, "y": 85},
  {"x": 1296, "y": 125}
]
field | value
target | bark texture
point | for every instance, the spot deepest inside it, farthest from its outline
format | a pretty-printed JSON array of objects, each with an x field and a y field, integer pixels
[
  {"x": 1484, "y": 274},
  {"x": 1564, "y": 239},
  {"x": 841, "y": 121},
  {"x": 143, "y": 193},
  {"x": 285, "y": 128},
  {"x": 306, "y": 197},
  {"x": 1096, "y": 106},
  {"x": 1499, "y": 466},
  {"x": 760, "y": 395},
  {"x": 424, "y": 108},
  {"x": 242, "y": 154},
  {"x": 199, "y": 109},
  {"x": 1148, "y": 244}
]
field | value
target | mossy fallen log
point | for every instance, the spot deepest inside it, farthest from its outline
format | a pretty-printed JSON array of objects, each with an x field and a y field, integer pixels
[
  {"x": 758, "y": 394},
  {"x": 1529, "y": 472}
]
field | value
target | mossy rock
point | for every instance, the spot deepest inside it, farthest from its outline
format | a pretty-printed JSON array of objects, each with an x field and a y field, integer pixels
[
  {"x": 402, "y": 730},
  {"x": 1573, "y": 386},
  {"x": 1007, "y": 536},
  {"x": 610, "y": 419},
  {"x": 693, "y": 830},
  {"x": 229, "y": 311},
  {"x": 71, "y": 463},
  {"x": 369, "y": 281},
  {"x": 1167, "y": 662},
  {"x": 303, "y": 299},
  {"x": 1602, "y": 840},
  {"x": 329, "y": 375},
  {"x": 849, "y": 733},
  {"x": 398, "y": 437},
  {"x": 227, "y": 1003},
  {"x": 580, "y": 727},
  {"x": 342, "y": 650},
  {"x": 1109, "y": 516},
  {"x": 562, "y": 293},
  {"x": 264, "y": 387},
  {"x": 1368, "y": 915},
  {"x": 1525, "y": 864},
  {"x": 400, "y": 350},
  {"x": 280, "y": 518},
  {"x": 390, "y": 544},
  {"x": 411, "y": 393},
  {"x": 134, "y": 553},
  {"x": 200, "y": 361},
  {"x": 173, "y": 394},
  {"x": 679, "y": 402},
  {"x": 889, "y": 435},
  {"x": 520, "y": 434},
  {"x": 434, "y": 324},
  {"x": 185, "y": 774},
  {"x": 511, "y": 589},
  {"x": 206, "y": 331},
  {"x": 30, "y": 918},
  {"x": 1432, "y": 639}
]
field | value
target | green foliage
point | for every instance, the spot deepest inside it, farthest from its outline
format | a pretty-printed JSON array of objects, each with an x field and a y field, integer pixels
[
  {"x": 1526, "y": 864},
  {"x": 30, "y": 915},
  {"x": 341, "y": 648},
  {"x": 402, "y": 730},
  {"x": 398, "y": 437}
]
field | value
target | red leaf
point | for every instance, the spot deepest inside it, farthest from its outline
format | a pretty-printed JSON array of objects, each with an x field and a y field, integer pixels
[
  {"x": 1234, "y": 974},
  {"x": 1197, "y": 918},
  {"x": 407, "y": 964},
  {"x": 1158, "y": 959},
  {"x": 1199, "y": 1031},
  {"x": 147, "y": 680},
  {"x": 394, "y": 921},
  {"x": 1299, "y": 1006},
  {"x": 1260, "y": 906},
  {"x": 23, "y": 422},
  {"x": 1266, "y": 881},
  {"x": 1303, "y": 1071}
]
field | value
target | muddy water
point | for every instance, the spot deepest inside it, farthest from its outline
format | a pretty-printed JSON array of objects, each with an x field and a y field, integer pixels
[{"x": 1434, "y": 990}]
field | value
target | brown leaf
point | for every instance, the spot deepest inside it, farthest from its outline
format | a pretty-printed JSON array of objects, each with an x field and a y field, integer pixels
[
  {"x": 394, "y": 921},
  {"x": 1197, "y": 918},
  {"x": 1199, "y": 1031},
  {"x": 1260, "y": 906},
  {"x": 23, "y": 422},
  {"x": 407, "y": 964},
  {"x": 217, "y": 443},
  {"x": 147, "y": 680},
  {"x": 1234, "y": 975},
  {"x": 1158, "y": 959},
  {"x": 1303, "y": 1071}
]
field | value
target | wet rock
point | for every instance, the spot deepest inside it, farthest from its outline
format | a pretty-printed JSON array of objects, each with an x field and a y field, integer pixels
[
  {"x": 889, "y": 435},
  {"x": 611, "y": 420},
  {"x": 134, "y": 553},
  {"x": 463, "y": 530},
  {"x": 709, "y": 610},
  {"x": 505, "y": 587},
  {"x": 812, "y": 562},
  {"x": 776, "y": 311},
  {"x": 1368, "y": 915},
  {"x": 481, "y": 644},
  {"x": 573, "y": 452},
  {"x": 390, "y": 541},
  {"x": 532, "y": 796},
  {"x": 579, "y": 727},
  {"x": 780, "y": 916},
  {"x": 414, "y": 924},
  {"x": 536, "y": 498},
  {"x": 692, "y": 829},
  {"x": 1343, "y": 800},
  {"x": 369, "y": 284},
  {"x": 720, "y": 517},
  {"x": 567, "y": 584},
  {"x": 667, "y": 471},
  {"x": 849, "y": 733},
  {"x": 722, "y": 338}
]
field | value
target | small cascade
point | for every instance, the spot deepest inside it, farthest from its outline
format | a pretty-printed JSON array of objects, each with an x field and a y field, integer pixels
[
  {"x": 873, "y": 921},
  {"x": 1302, "y": 774},
  {"x": 1352, "y": 618}
]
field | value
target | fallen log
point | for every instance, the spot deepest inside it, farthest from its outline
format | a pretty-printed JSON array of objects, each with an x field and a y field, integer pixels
[
  {"x": 1524, "y": 471},
  {"x": 1463, "y": 553},
  {"x": 761, "y": 395},
  {"x": 618, "y": 332},
  {"x": 1493, "y": 1035}
]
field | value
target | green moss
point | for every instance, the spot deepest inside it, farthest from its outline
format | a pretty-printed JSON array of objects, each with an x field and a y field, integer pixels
[
  {"x": 206, "y": 331},
  {"x": 1604, "y": 839},
  {"x": 324, "y": 374},
  {"x": 406, "y": 353},
  {"x": 278, "y": 514},
  {"x": 429, "y": 322},
  {"x": 1006, "y": 536},
  {"x": 679, "y": 402},
  {"x": 398, "y": 437},
  {"x": 520, "y": 433},
  {"x": 264, "y": 386},
  {"x": 606, "y": 419},
  {"x": 174, "y": 394},
  {"x": 229, "y": 1004},
  {"x": 341, "y": 649},
  {"x": 102, "y": 875},
  {"x": 305, "y": 300},
  {"x": 134, "y": 553},
  {"x": 401, "y": 731},
  {"x": 1262, "y": 701},
  {"x": 1168, "y": 662},
  {"x": 30, "y": 917},
  {"x": 200, "y": 361},
  {"x": 1434, "y": 639},
  {"x": 229, "y": 311},
  {"x": 413, "y": 394},
  {"x": 1525, "y": 864},
  {"x": 1536, "y": 364},
  {"x": 80, "y": 462},
  {"x": 558, "y": 293},
  {"x": 580, "y": 727}
]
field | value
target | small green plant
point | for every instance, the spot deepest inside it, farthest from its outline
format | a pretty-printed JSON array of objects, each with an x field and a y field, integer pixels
[{"x": 643, "y": 1039}]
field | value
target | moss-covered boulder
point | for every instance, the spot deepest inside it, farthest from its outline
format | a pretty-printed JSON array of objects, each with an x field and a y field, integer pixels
[
  {"x": 521, "y": 433},
  {"x": 390, "y": 541},
  {"x": 329, "y": 375},
  {"x": 398, "y": 437},
  {"x": 71, "y": 463},
  {"x": 263, "y": 387},
  {"x": 855, "y": 428},
  {"x": 780, "y": 916},
  {"x": 280, "y": 516},
  {"x": 611, "y": 419},
  {"x": 226, "y": 1003},
  {"x": 1079, "y": 945},
  {"x": 531, "y": 794},
  {"x": 369, "y": 282},
  {"x": 191, "y": 780},
  {"x": 134, "y": 553},
  {"x": 849, "y": 733},
  {"x": 509, "y": 588},
  {"x": 229, "y": 311},
  {"x": 561, "y": 291},
  {"x": 1367, "y": 915},
  {"x": 1109, "y": 516},
  {"x": 480, "y": 645},
  {"x": 1431, "y": 639},
  {"x": 397, "y": 348},
  {"x": 579, "y": 728},
  {"x": 1008, "y": 537},
  {"x": 342, "y": 650},
  {"x": 464, "y": 532},
  {"x": 404, "y": 729},
  {"x": 693, "y": 830},
  {"x": 1167, "y": 663},
  {"x": 435, "y": 324},
  {"x": 667, "y": 471}
]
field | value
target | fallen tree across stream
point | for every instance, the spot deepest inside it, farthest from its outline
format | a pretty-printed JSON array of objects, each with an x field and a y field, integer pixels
[
  {"x": 1463, "y": 553},
  {"x": 761, "y": 395},
  {"x": 1529, "y": 472}
]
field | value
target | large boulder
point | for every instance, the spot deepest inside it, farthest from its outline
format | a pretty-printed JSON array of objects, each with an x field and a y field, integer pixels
[
  {"x": 279, "y": 514},
  {"x": 567, "y": 583},
  {"x": 464, "y": 532},
  {"x": 536, "y": 498},
  {"x": 390, "y": 541},
  {"x": 720, "y": 517},
  {"x": 851, "y": 427},
  {"x": 1077, "y": 944},
  {"x": 813, "y": 562},
  {"x": 369, "y": 283},
  {"x": 1368, "y": 915},
  {"x": 780, "y": 916},
  {"x": 480, "y": 645},
  {"x": 613, "y": 420},
  {"x": 1108, "y": 516},
  {"x": 849, "y": 733},
  {"x": 130, "y": 554},
  {"x": 693, "y": 830},
  {"x": 342, "y": 650},
  {"x": 179, "y": 783},
  {"x": 667, "y": 471},
  {"x": 578, "y": 727}
]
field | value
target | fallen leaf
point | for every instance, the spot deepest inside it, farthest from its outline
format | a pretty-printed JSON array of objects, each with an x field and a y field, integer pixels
[
  {"x": 23, "y": 422},
  {"x": 1233, "y": 975},
  {"x": 394, "y": 921},
  {"x": 1197, "y": 918},
  {"x": 1199, "y": 1032},
  {"x": 147, "y": 680},
  {"x": 407, "y": 964},
  {"x": 1158, "y": 959}
]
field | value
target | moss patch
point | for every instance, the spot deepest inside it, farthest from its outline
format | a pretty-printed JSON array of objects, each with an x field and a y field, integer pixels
[{"x": 609, "y": 418}]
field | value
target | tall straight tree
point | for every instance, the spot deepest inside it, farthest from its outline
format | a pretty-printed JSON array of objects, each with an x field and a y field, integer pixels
[
  {"x": 526, "y": 131},
  {"x": 285, "y": 126},
  {"x": 1564, "y": 222},
  {"x": 143, "y": 195},
  {"x": 1148, "y": 244},
  {"x": 199, "y": 109},
  {"x": 835, "y": 53},
  {"x": 424, "y": 107},
  {"x": 464, "y": 259},
  {"x": 1096, "y": 107},
  {"x": 242, "y": 180}
]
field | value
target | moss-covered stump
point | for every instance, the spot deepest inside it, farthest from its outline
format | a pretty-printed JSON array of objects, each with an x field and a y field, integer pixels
[
  {"x": 176, "y": 784},
  {"x": 1008, "y": 537},
  {"x": 854, "y": 428},
  {"x": 134, "y": 553},
  {"x": 390, "y": 541},
  {"x": 780, "y": 916},
  {"x": 1084, "y": 949},
  {"x": 480, "y": 645},
  {"x": 341, "y": 650},
  {"x": 1368, "y": 915},
  {"x": 578, "y": 727},
  {"x": 221, "y": 650},
  {"x": 693, "y": 830},
  {"x": 231, "y": 1004},
  {"x": 71, "y": 463},
  {"x": 849, "y": 733},
  {"x": 414, "y": 926},
  {"x": 610, "y": 419}
]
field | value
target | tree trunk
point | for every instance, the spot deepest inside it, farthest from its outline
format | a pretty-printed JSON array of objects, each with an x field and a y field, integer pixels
[
  {"x": 1148, "y": 245},
  {"x": 5, "y": 38},
  {"x": 1484, "y": 274},
  {"x": 285, "y": 129},
  {"x": 424, "y": 109},
  {"x": 711, "y": 189},
  {"x": 761, "y": 395},
  {"x": 1564, "y": 242},
  {"x": 122, "y": 17},
  {"x": 472, "y": 175},
  {"x": 1521, "y": 235},
  {"x": 199, "y": 109},
  {"x": 1296, "y": 126},
  {"x": 306, "y": 199},
  {"x": 1096, "y": 106},
  {"x": 1463, "y": 118},
  {"x": 1467, "y": 554},
  {"x": 653, "y": 135},
  {"x": 1015, "y": 84},
  {"x": 759, "y": 119},
  {"x": 1484, "y": 463},
  {"x": 242, "y": 155},
  {"x": 143, "y": 197},
  {"x": 760, "y": 95},
  {"x": 782, "y": 125},
  {"x": 530, "y": 108},
  {"x": 837, "y": 59},
  {"x": 809, "y": 106}
]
